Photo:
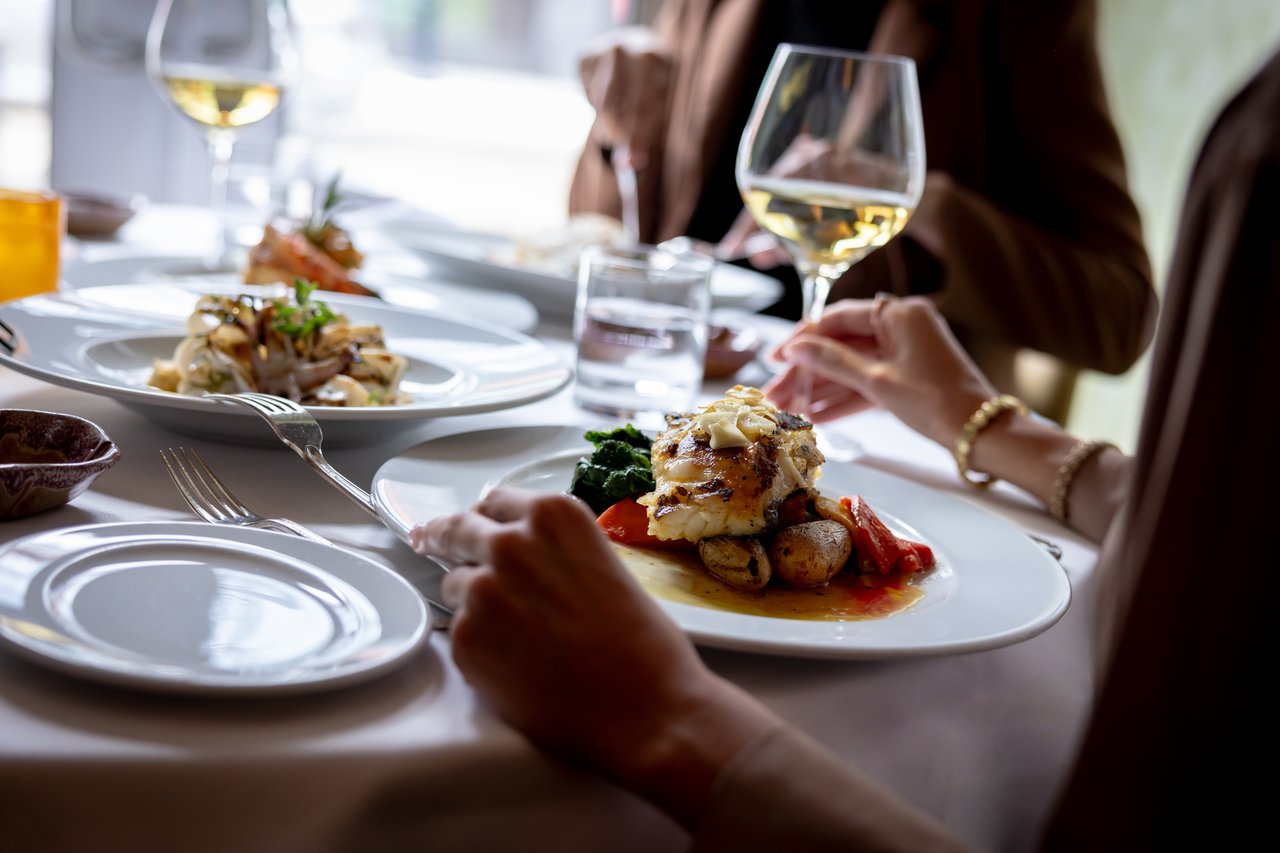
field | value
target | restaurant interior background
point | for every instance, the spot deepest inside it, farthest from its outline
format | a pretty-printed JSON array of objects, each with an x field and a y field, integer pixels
[{"x": 471, "y": 109}]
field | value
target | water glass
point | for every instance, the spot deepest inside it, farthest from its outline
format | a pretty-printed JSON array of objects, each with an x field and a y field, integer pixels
[
  {"x": 31, "y": 228},
  {"x": 641, "y": 328}
]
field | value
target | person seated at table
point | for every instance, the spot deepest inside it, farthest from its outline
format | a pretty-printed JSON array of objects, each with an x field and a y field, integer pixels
[
  {"x": 556, "y": 633},
  {"x": 1026, "y": 235}
]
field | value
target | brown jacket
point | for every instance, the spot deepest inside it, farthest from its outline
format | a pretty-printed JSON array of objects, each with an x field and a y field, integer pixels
[
  {"x": 1174, "y": 757},
  {"x": 1026, "y": 233}
]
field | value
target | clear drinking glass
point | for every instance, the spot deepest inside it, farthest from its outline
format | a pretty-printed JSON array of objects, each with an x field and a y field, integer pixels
[
  {"x": 641, "y": 327},
  {"x": 225, "y": 64},
  {"x": 832, "y": 161}
]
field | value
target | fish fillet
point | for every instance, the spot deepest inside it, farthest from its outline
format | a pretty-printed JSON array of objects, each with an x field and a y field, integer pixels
[{"x": 725, "y": 469}]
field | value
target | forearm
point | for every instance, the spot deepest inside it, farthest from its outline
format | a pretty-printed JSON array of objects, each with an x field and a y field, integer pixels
[
  {"x": 1029, "y": 452},
  {"x": 784, "y": 791},
  {"x": 676, "y": 763},
  {"x": 738, "y": 778}
]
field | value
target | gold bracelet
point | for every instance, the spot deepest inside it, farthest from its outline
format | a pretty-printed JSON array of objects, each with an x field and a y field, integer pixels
[
  {"x": 1071, "y": 464},
  {"x": 977, "y": 422}
]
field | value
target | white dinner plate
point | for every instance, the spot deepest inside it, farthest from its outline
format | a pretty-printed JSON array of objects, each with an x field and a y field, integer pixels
[
  {"x": 993, "y": 586},
  {"x": 105, "y": 339},
  {"x": 174, "y": 606},
  {"x": 479, "y": 259},
  {"x": 428, "y": 294}
]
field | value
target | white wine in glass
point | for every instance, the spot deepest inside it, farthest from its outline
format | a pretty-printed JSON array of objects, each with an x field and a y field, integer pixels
[
  {"x": 832, "y": 161},
  {"x": 225, "y": 64}
]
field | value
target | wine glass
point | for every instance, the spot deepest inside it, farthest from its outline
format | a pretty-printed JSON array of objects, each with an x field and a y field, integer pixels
[
  {"x": 225, "y": 65},
  {"x": 832, "y": 162}
]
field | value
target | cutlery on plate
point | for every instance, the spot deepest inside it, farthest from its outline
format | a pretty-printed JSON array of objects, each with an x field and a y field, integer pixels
[
  {"x": 213, "y": 502},
  {"x": 295, "y": 426},
  {"x": 1054, "y": 549}
]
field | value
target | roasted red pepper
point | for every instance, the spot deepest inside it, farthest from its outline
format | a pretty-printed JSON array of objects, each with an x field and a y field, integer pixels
[
  {"x": 878, "y": 548},
  {"x": 627, "y": 522}
]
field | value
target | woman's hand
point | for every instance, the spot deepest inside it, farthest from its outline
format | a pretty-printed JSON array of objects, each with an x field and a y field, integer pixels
[
  {"x": 894, "y": 353},
  {"x": 558, "y": 635},
  {"x": 627, "y": 78}
]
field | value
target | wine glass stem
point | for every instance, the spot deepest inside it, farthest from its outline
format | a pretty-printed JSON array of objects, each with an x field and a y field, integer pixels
[
  {"x": 814, "y": 298},
  {"x": 221, "y": 143},
  {"x": 816, "y": 288}
]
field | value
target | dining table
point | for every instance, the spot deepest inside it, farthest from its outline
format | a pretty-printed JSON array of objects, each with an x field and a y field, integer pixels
[{"x": 415, "y": 759}]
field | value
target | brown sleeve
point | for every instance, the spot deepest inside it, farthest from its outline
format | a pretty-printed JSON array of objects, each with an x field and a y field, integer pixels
[
  {"x": 1039, "y": 243},
  {"x": 785, "y": 792},
  {"x": 1052, "y": 256}
]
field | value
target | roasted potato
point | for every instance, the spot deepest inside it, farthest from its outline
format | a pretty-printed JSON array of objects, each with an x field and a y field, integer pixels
[
  {"x": 810, "y": 554},
  {"x": 739, "y": 561}
]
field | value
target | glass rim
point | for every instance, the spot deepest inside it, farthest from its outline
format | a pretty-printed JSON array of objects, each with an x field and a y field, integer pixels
[
  {"x": 639, "y": 257},
  {"x": 861, "y": 55},
  {"x": 29, "y": 196}
]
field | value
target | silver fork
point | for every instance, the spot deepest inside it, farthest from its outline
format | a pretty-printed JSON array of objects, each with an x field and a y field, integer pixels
[
  {"x": 211, "y": 500},
  {"x": 295, "y": 426}
]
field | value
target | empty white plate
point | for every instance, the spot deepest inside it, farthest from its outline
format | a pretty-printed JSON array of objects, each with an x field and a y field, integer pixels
[{"x": 184, "y": 607}]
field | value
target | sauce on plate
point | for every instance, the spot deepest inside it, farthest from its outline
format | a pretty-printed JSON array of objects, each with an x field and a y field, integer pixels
[{"x": 680, "y": 577}]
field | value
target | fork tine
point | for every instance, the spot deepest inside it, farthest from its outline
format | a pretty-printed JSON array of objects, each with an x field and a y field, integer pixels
[
  {"x": 250, "y": 400},
  {"x": 213, "y": 485},
  {"x": 278, "y": 404},
  {"x": 182, "y": 479}
]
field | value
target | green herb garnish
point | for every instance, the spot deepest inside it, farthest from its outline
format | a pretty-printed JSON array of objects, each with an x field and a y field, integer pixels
[
  {"x": 309, "y": 315},
  {"x": 618, "y": 468},
  {"x": 322, "y": 216}
]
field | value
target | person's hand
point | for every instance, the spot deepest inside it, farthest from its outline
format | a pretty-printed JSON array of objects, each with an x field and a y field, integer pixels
[
  {"x": 558, "y": 635},
  {"x": 627, "y": 78},
  {"x": 895, "y": 353}
]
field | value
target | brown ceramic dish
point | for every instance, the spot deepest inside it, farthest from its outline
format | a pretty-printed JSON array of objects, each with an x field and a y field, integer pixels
[
  {"x": 48, "y": 459},
  {"x": 100, "y": 215},
  {"x": 729, "y": 350}
]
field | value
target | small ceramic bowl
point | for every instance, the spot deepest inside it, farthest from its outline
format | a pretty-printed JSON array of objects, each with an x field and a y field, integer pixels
[
  {"x": 48, "y": 459},
  {"x": 729, "y": 349},
  {"x": 100, "y": 215}
]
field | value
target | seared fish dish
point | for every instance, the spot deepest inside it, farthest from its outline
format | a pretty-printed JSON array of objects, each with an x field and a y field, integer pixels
[
  {"x": 734, "y": 482},
  {"x": 726, "y": 469}
]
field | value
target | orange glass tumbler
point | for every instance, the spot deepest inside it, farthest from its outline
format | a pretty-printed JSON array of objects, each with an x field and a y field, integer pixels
[{"x": 31, "y": 227}]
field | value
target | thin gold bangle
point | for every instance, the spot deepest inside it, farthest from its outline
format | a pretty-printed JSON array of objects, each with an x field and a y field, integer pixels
[
  {"x": 978, "y": 421},
  {"x": 1071, "y": 464}
]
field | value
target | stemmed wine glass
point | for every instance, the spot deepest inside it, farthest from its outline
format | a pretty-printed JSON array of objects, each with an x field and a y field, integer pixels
[
  {"x": 225, "y": 64},
  {"x": 832, "y": 162}
]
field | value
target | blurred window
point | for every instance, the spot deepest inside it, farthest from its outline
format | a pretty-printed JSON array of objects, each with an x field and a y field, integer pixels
[
  {"x": 25, "y": 39},
  {"x": 471, "y": 109}
]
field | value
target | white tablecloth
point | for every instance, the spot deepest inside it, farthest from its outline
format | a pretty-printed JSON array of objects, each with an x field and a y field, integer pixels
[{"x": 415, "y": 760}]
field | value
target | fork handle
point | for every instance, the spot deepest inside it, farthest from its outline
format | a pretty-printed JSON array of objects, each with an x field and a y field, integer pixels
[{"x": 313, "y": 458}]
